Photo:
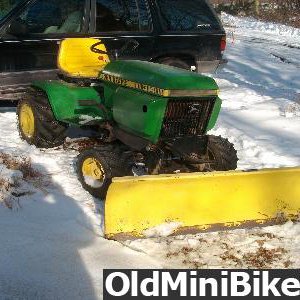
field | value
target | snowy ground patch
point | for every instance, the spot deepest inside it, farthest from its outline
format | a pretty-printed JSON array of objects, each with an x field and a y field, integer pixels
[
  {"x": 261, "y": 248},
  {"x": 261, "y": 94},
  {"x": 259, "y": 28},
  {"x": 17, "y": 179},
  {"x": 53, "y": 243}
]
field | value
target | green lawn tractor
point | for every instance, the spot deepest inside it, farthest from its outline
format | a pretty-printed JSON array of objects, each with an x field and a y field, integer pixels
[
  {"x": 152, "y": 118},
  {"x": 156, "y": 158}
]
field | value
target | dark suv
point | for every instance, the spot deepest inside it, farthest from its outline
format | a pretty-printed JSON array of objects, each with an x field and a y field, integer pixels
[{"x": 182, "y": 33}]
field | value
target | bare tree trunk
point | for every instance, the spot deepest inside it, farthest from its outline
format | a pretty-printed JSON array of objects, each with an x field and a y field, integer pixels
[{"x": 257, "y": 4}]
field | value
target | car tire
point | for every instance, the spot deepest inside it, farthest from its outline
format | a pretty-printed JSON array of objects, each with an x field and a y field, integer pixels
[{"x": 175, "y": 62}]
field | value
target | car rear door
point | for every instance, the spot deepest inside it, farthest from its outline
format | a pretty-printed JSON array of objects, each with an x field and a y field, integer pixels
[
  {"x": 117, "y": 21},
  {"x": 30, "y": 39},
  {"x": 190, "y": 27}
]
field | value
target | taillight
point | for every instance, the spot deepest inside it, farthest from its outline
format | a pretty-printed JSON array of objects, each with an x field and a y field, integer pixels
[{"x": 223, "y": 43}]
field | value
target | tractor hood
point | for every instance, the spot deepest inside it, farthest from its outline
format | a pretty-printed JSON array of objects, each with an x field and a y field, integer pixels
[{"x": 158, "y": 79}]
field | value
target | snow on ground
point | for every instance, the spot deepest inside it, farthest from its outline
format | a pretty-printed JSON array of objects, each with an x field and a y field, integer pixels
[
  {"x": 244, "y": 25},
  {"x": 261, "y": 93},
  {"x": 51, "y": 241},
  {"x": 261, "y": 248}
]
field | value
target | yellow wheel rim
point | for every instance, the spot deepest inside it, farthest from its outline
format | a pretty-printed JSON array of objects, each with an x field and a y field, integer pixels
[
  {"x": 26, "y": 119},
  {"x": 93, "y": 172}
]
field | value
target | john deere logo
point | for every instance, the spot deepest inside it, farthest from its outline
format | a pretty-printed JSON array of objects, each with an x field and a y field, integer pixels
[
  {"x": 194, "y": 109},
  {"x": 134, "y": 85}
]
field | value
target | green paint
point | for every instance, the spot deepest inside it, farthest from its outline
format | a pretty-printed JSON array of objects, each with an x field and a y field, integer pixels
[
  {"x": 215, "y": 114},
  {"x": 64, "y": 100},
  {"x": 139, "y": 113}
]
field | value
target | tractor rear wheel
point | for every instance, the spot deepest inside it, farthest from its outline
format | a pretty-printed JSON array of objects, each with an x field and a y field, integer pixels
[
  {"x": 221, "y": 154},
  {"x": 36, "y": 122},
  {"x": 96, "y": 168}
]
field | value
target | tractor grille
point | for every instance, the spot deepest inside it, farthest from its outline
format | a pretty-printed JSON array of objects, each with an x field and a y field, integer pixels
[{"x": 187, "y": 117}]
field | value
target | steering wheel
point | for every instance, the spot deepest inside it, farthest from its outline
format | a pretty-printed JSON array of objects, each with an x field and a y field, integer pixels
[
  {"x": 98, "y": 51},
  {"x": 129, "y": 44}
]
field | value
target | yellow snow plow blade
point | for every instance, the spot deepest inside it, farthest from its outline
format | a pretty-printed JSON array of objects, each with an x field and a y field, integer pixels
[{"x": 201, "y": 201}]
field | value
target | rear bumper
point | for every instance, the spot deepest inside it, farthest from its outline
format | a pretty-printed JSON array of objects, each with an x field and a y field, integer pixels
[{"x": 210, "y": 66}]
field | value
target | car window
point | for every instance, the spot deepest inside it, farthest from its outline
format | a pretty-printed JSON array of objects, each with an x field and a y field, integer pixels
[
  {"x": 187, "y": 15},
  {"x": 144, "y": 16},
  {"x": 54, "y": 16},
  {"x": 116, "y": 15},
  {"x": 6, "y": 6}
]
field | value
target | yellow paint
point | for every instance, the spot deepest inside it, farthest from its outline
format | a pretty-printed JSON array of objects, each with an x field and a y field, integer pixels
[
  {"x": 91, "y": 167},
  {"x": 200, "y": 200},
  {"x": 26, "y": 119},
  {"x": 76, "y": 59}
]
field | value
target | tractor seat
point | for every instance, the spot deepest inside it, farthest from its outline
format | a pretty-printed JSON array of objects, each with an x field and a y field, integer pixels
[{"x": 76, "y": 60}]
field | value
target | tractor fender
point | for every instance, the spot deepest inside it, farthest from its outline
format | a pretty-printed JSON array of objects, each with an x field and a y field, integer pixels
[{"x": 70, "y": 103}]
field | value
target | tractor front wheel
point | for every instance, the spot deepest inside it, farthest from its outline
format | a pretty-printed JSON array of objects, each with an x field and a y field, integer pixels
[
  {"x": 221, "y": 155},
  {"x": 96, "y": 168},
  {"x": 36, "y": 122}
]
